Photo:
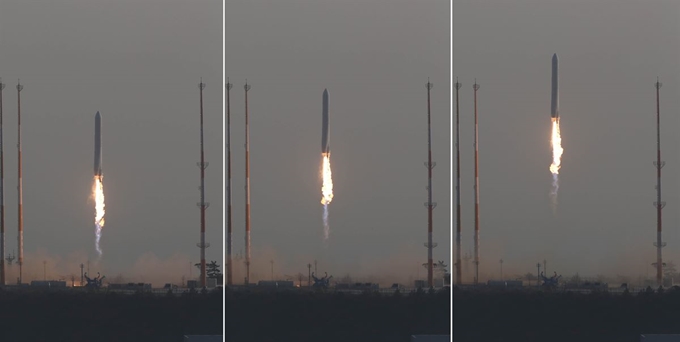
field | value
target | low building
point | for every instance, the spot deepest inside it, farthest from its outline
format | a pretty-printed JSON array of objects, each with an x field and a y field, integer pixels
[
  {"x": 48, "y": 283},
  {"x": 357, "y": 286},
  {"x": 130, "y": 286},
  {"x": 276, "y": 283},
  {"x": 430, "y": 338},
  {"x": 659, "y": 338},
  {"x": 504, "y": 283},
  {"x": 202, "y": 338}
]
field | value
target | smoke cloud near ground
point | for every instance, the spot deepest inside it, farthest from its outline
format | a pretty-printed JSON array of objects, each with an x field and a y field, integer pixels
[
  {"x": 148, "y": 268},
  {"x": 631, "y": 263},
  {"x": 401, "y": 267}
]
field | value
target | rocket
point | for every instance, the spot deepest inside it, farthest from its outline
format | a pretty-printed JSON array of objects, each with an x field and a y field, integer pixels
[
  {"x": 325, "y": 126},
  {"x": 98, "y": 145},
  {"x": 555, "y": 94}
]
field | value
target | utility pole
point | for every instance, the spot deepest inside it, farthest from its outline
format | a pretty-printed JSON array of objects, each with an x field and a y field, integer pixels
[
  {"x": 203, "y": 205},
  {"x": 229, "y": 218},
  {"x": 430, "y": 205},
  {"x": 658, "y": 204},
  {"x": 476, "y": 87},
  {"x": 309, "y": 275},
  {"x": 459, "y": 272},
  {"x": 545, "y": 267},
  {"x": 2, "y": 197},
  {"x": 247, "y": 87},
  {"x": 19, "y": 187}
]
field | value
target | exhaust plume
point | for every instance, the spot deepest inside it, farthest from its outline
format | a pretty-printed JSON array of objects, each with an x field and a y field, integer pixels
[
  {"x": 326, "y": 192},
  {"x": 556, "y": 143},
  {"x": 98, "y": 193}
]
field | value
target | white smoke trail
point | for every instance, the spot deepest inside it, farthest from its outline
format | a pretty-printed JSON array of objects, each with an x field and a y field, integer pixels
[
  {"x": 553, "y": 192},
  {"x": 98, "y": 232},
  {"x": 326, "y": 227},
  {"x": 98, "y": 192}
]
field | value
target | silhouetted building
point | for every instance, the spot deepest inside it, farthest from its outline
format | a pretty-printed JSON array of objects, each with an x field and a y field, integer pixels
[
  {"x": 659, "y": 338},
  {"x": 276, "y": 283},
  {"x": 202, "y": 338},
  {"x": 430, "y": 338},
  {"x": 48, "y": 283}
]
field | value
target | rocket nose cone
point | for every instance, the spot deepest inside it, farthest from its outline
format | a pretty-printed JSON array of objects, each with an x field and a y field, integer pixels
[
  {"x": 325, "y": 91},
  {"x": 554, "y": 57},
  {"x": 97, "y": 115}
]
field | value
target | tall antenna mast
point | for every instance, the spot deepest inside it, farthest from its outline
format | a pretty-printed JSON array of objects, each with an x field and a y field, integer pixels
[
  {"x": 476, "y": 87},
  {"x": 229, "y": 262},
  {"x": 430, "y": 205},
  {"x": 2, "y": 197},
  {"x": 203, "y": 205},
  {"x": 20, "y": 187},
  {"x": 246, "y": 88},
  {"x": 658, "y": 204},
  {"x": 459, "y": 273}
]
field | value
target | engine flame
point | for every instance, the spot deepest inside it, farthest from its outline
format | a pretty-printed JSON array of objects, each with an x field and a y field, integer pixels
[
  {"x": 326, "y": 191},
  {"x": 98, "y": 193},
  {"x": 556, "y": 143},
  {"x": 327, "y": 187}
]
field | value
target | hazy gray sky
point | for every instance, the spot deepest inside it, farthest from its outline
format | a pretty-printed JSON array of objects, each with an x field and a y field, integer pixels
[
  {"x": 610, "y": 52},
  {"x": 139, "y": 64},
  {"x": 374, "y": 57}
]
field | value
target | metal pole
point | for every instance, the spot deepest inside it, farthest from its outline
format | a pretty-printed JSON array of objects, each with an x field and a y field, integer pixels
[
  {"x": 202, "y": 165},
  {"x": 459, "y": 273},
  {"x": 476, "y": 87},
  {"x": 545, "y": 266},
  {"x": 247, "y": 87},
  {"x": 19, "y": 187},
  {"x": 430, "y": 205},
  {"x": 2, "y": 197},
  {"x": 229, "y": 218},
  {"x": 659, "y": 204}
]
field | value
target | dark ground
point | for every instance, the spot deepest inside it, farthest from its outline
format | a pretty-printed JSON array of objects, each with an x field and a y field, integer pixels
[
  {"x": 274, "y": 317},
  {"x": 74, "y": 316},
  {"x": 485, "y": 316},
  {"x": 80, "y": 316}
]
